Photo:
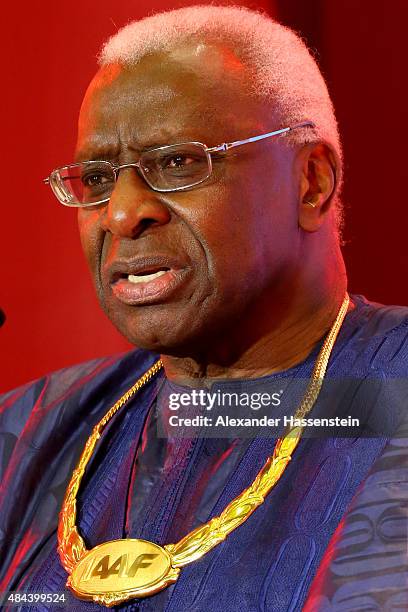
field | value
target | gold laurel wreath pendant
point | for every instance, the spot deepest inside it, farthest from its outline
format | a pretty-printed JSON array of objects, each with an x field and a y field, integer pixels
[{"x": 119, "y": 570}]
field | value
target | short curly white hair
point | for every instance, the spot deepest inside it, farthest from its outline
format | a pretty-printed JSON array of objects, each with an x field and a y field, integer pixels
[{"x": 283, "y": 71}]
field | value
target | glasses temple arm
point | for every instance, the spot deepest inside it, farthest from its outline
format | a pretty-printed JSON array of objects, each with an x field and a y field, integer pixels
[{"x": 237, "y": 143}]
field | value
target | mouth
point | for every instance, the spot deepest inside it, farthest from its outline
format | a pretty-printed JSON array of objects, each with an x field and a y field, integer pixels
[
  {"x": 145, "y": 278},
  {"x": 137, "y": 282}
]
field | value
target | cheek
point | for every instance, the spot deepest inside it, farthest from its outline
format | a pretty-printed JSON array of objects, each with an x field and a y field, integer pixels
[
  {"x": 252, "y": 227},
  {"x": 238, "y": 218},
  {"x": 227, "y": 231}
]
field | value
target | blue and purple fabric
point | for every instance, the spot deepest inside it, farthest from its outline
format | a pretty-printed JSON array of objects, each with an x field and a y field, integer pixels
[{"x": 332, "y": 535}]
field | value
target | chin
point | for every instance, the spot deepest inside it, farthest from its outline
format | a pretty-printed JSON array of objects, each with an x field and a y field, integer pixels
[
  {"x": 178, "y": 328},
  {"x": 158, "y": 333}
]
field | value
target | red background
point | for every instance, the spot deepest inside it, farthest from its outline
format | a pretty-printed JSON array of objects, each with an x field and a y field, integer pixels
[{"x": 48, "y": 58}]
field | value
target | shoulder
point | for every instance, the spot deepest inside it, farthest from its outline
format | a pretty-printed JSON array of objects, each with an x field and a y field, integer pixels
[
  {"x": 379, "y": 335},
  {"x": 381, "y": 319},
  {"x": 69, "y": 379},
  {"x": 75, "y": 392}
]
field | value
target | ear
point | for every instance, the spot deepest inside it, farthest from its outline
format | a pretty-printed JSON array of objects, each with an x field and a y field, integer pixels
[{"x": 317, "y": 185}]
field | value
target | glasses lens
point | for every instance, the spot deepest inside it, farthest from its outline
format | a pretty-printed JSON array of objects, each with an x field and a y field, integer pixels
[
  {"x": 83, "y": 184},
  {"x": 175, "y": 166}
]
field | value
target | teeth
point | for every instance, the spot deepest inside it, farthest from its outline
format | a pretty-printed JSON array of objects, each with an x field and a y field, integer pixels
[{"x": 145, "y": 278}]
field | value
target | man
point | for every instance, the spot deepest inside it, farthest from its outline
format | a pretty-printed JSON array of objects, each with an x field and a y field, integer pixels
[{"x": 224, "y": 260}]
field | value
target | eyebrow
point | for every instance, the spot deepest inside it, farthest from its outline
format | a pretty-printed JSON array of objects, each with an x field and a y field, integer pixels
[
  {"x": 96, "y": 152},
  {"x": 105, "y": 152}
]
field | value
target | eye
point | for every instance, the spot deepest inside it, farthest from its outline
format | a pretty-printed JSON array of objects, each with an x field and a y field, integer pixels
[
  {"x": 96, "y": 178},
  {"x": 178, "y": 161}
]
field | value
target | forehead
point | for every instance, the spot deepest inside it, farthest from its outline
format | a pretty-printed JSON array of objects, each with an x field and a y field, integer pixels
[{"x": 197, "y": 91}]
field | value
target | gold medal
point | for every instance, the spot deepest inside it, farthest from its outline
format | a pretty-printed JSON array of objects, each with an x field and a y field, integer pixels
[{"x": 116, "y": 571}]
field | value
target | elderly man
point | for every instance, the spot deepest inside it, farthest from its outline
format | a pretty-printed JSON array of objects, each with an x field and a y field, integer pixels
[{"x": 207, "y": 178}]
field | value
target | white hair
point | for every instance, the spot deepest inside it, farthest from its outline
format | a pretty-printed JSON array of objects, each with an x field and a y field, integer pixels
[{"x": 282, "y": 69}]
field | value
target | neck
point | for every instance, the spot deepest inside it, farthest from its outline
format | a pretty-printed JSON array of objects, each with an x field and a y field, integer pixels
[{"x": 277, "y": 333}]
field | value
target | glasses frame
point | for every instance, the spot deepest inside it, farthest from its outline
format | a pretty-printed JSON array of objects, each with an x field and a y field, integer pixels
[{"x": 221, "y": 148}]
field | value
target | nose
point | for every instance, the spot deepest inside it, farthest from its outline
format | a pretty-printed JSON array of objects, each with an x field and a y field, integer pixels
[{"x": 133, "y": 206}]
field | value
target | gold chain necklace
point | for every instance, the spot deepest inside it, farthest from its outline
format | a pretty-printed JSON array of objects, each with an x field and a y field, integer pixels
[{"x": 118, "y": 570}]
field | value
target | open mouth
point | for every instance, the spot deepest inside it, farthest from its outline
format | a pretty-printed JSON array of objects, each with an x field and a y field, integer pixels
[
  {"x": 143, "y": 283},
  {"x": 139, "y": 277},
  {"x": 139, "y": 273},
  {"x": 145, "y": 277}
]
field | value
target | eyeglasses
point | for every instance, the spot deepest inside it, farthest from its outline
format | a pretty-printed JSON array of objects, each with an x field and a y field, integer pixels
[{"x": 169, "y": 168}]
